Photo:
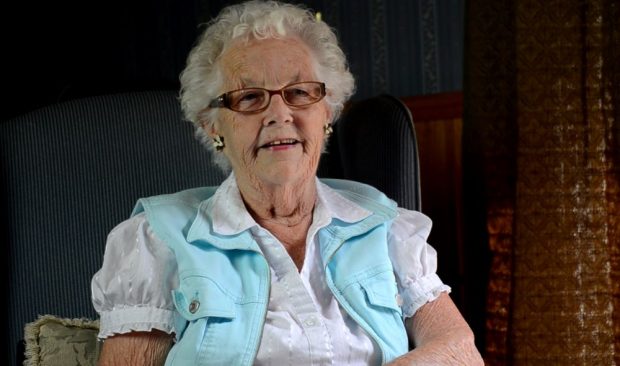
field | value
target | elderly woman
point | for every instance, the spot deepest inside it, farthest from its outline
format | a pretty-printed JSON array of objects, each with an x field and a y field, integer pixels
[{"x": 274, "y": 266}]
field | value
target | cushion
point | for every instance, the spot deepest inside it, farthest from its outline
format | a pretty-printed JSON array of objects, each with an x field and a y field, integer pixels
[{"x": 55, "y": 341}]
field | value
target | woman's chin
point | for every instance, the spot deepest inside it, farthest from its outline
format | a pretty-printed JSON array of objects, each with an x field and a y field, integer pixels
[{"x": 284, "y": 172}]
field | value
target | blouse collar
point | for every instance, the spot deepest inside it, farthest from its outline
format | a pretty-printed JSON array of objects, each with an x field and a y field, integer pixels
[{"x": 230, "y": 217}]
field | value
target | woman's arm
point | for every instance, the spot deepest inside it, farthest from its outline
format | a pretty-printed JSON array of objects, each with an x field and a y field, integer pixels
[
  {"x": 441, "y": 336},
  {"x": 136, "y": 349}
]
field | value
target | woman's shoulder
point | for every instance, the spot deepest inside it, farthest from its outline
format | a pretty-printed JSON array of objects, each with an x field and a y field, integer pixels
[
  {"x": 186, "y": 201},
  {"x": 188, "y": 196},
  {"x": 361, "y": 194},
  {"x": 350, "y": 186},
  {"x": 192, "y": 197},
  {"x": 410, "y": 223}
]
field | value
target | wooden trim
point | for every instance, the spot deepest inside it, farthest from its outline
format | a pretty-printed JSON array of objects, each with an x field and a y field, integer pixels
[{"x": 434, "y": 107}]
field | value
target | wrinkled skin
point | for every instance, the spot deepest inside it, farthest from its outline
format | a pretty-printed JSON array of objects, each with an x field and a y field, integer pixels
[
  {"x": 276, "y": 182},
  {"x": 441, "y": 337}
]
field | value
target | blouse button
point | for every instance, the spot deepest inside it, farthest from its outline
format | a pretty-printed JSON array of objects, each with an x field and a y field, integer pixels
[
  {"x": 311, "y": 321},
  {"x": 193, "y": 306}
]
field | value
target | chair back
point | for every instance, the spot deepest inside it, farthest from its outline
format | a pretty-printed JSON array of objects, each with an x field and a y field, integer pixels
[
  {"x": 377, "y": 145},
  {"x": 71, "y": 172}
]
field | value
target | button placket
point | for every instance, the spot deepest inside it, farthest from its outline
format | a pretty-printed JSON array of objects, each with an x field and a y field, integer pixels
[{"x": 298, "y": 303}]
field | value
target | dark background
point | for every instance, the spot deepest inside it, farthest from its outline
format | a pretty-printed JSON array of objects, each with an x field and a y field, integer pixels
[{"x": 59, "y": 50}]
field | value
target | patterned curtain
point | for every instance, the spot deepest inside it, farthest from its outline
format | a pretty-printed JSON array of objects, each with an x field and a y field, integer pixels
[{"x": 542, "y": 140}]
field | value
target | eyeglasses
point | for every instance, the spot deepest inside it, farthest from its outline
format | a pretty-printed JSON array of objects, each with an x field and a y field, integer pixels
[{"x": 249, "y": 100}]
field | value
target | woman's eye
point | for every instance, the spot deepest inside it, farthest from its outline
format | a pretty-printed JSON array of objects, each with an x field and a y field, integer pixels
[
  {"x": 248, "y": 100},
  {"x": 248, "y": 97},
  {"x": 297, "y": 96},
  {"x": 300, "y": 92}
]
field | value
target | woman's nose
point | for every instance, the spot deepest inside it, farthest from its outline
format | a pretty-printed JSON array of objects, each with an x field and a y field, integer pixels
[{"x": 277, "y": 111}]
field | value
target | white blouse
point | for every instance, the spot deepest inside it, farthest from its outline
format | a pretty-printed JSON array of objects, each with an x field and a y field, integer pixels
[{"x": 304, "y": 322}]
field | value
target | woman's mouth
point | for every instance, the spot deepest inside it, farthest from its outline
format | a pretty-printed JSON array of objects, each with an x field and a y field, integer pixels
[{"x": 280, "y": 144}]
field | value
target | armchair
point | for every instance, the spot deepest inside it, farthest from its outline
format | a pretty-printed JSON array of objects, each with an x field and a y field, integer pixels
[{"x": 71, "y": 172}]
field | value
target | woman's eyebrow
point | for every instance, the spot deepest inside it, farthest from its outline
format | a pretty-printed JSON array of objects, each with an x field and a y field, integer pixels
[
  {"x": 293, "y": 80},
  {"x": 249, "y": 83},
  {"x": 296, "y": 79}
]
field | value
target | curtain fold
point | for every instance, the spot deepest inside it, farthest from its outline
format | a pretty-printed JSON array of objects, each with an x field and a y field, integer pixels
[{"x": 543, "y": 105}]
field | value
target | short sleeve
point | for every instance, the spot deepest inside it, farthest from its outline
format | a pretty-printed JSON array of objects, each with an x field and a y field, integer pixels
[
  {"x": 414, "y": 261},
  {"x": 132, "y": 290}
]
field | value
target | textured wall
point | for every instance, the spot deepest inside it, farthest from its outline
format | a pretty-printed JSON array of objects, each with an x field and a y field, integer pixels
[
  {"x": 405, "y": 47},
  {"x": 399, "y": 46}
]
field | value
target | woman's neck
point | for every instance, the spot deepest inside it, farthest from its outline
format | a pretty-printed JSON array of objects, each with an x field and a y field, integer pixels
[
  {"x": 284, "y": 210},
  {"x": 286, "y": 205}
]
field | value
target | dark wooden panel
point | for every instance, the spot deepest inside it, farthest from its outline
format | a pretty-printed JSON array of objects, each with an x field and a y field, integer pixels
[{"x": 438, "y": 124}]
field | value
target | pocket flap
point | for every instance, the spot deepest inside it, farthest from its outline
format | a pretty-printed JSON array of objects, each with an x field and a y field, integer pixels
[
  {"x": 199, "y": 297},
  {"x": 381, "y": 291}
]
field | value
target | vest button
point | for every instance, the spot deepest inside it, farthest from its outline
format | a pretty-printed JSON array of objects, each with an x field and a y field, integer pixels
[{"x": 193, "y": 306}]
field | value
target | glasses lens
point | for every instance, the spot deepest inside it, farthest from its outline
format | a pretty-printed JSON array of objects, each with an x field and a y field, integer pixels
[
  {"x": 301, "y": 94},
  {"x": 247, "y": 100},
  {"x": 256, "y": 99}
]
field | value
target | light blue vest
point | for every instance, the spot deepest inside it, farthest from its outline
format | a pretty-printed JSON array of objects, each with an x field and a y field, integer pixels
[{"x": 224, "y": 280}]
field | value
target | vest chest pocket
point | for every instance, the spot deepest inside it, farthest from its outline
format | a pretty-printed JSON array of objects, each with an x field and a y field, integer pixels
[
  {"x": 199, "y": 297},
  {"x": 381, "y": 291}
]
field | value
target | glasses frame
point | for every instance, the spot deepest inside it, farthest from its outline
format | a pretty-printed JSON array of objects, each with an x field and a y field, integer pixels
[{"x": 223, "y": 101}]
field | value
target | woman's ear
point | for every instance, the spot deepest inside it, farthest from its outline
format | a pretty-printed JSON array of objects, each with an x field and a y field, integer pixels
[
  {"x": 208, "y": 128},
  {"x": 205, "y": 125},
  {"x": 328, "y": 113},
  {"x": 216, "y": 139}
]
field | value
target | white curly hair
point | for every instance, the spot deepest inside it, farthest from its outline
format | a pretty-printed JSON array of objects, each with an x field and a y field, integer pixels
[{"x": 202, "y": 79}]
